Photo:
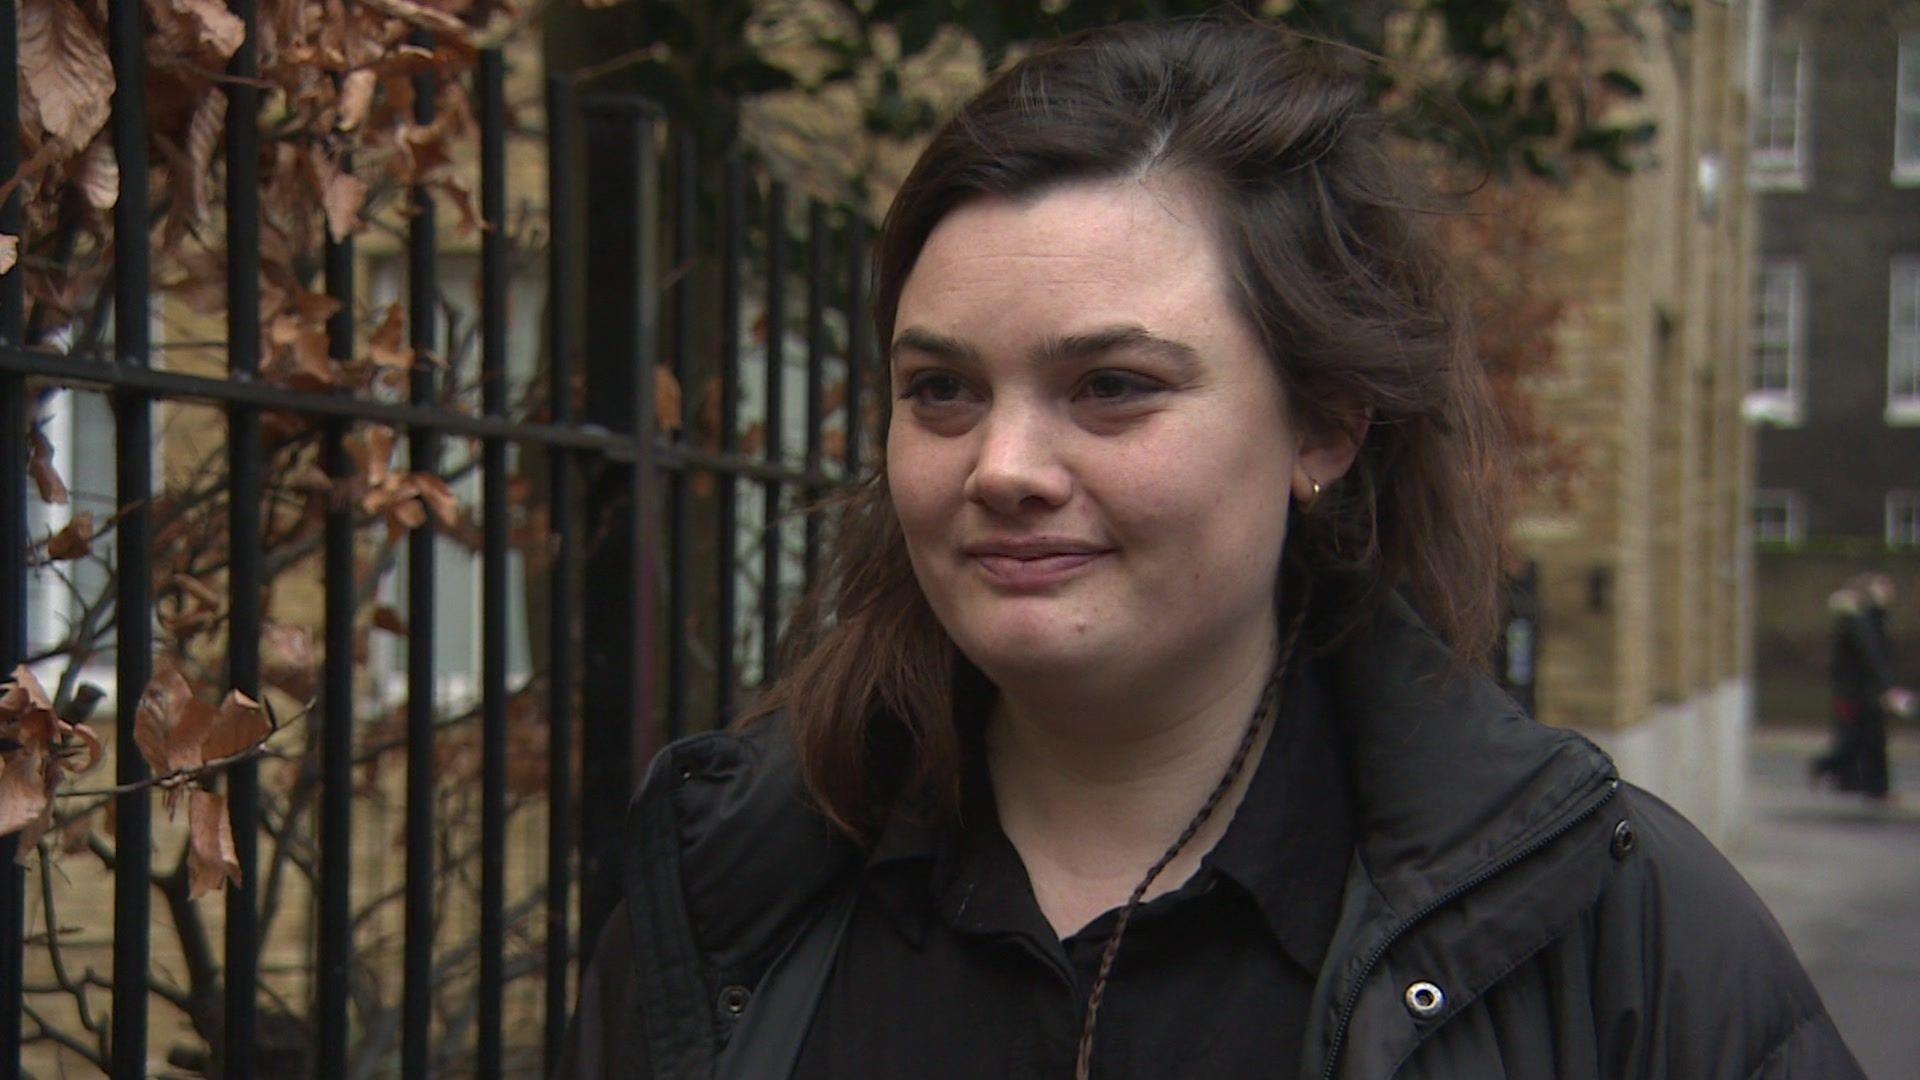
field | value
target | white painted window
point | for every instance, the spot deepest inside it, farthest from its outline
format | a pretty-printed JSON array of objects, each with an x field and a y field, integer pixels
[
  {"x": 1778, "y": 155},
  {"x": 1906, "y": 113},
  {"x": 1903, "y": 519},
  {"x": 1779, "y": 307},
  {"x": 1903, "y": 341},
  {"x": 457, "y": 606},
  {"x": 1779, "y": 517}
]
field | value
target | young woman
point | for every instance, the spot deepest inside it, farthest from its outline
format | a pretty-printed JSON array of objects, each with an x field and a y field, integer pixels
[{"x": 1138, "y": 732}]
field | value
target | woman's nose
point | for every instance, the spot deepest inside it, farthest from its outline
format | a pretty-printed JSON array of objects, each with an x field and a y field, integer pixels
[{"x": 1018, "y": 466}]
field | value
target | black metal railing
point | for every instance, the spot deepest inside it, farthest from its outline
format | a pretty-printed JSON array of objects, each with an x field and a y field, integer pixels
[{"x": 673, "y": 550}]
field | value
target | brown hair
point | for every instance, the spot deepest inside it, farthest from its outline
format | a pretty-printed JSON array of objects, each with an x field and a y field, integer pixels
[{"x": 1339, "y": 274}]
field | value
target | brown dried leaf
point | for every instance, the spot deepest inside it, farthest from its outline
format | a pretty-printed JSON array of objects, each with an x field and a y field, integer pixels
[
  {"x": 346, "y": 193},
  {"x": 371, "y": 448},
  {"x": 25, "y": 801},
  {"x": 422, "y": 16},
  {"x": 64, "y": 65},
  {"x": 22, "y": 695},
  {"x": 287, "y": 659},
  {"x": 388, "y": 344},
  {"x": 242, "y": 724},
  {"x": 9, "y": 250},
  {"x": 75, "y": 541},
  {"x": 386, "y": 618},
  {"x": 356, "y": 98},
  {"x": 203, "y": 138},
  {"x": 201, "y": 30},
  {"x": 438, "y": 498},
  {"x": 52, "y": 489},
  {"x": 98, "y": 175},
  {"x": 666, "y": 399},
  {"x": 162, "y": 708},
  {"x": 211, "y": 859}
]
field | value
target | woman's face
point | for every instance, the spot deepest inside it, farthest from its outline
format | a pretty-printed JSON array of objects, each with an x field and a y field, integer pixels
[{"x": 1089, "y": 454}]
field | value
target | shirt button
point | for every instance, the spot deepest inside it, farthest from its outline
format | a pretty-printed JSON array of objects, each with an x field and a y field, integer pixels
[
  {"x": 1624, "y": 841},
  {"x": 733, "y": 1000},
  {"x": 1425, "y": 1000}
]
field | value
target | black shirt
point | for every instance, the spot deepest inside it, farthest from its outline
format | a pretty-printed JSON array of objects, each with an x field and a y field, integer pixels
[{"x": 949, "y": 968}]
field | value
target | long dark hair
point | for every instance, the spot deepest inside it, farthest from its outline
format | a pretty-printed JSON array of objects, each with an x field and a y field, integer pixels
[{"x": 1337, "y": 270}]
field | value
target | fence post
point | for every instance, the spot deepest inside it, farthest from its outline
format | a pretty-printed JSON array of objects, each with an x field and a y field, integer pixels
[{"x": 617, "y": 626}]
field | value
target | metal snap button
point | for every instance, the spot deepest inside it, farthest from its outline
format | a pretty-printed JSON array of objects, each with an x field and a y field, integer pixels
[
  {"x": 734, "y": 999},
  {"x": 1624, "y": 841},
  {"x": 1425, "y": 1000}
]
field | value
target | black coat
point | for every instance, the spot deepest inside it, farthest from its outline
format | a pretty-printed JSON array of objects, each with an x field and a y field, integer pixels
[
  {"x": 1862, "y": 664},
  {"x": 1574, "y": 926}
]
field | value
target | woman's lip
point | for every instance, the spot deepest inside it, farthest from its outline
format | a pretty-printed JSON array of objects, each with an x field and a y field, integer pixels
[{"x": 1033, "y": 571}]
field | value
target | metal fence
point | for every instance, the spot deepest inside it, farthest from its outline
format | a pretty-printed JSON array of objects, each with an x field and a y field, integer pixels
[{"x": 672, "y": 558}]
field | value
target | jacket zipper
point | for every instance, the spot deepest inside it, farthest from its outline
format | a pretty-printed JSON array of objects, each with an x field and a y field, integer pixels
[{"x": 1448, "y": 897}]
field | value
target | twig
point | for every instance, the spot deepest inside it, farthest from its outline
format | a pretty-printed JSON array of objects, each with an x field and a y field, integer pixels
[{"x": 177, "y": 777}]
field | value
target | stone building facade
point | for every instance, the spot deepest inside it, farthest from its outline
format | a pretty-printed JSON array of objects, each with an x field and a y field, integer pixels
[{"x": 1644, "y": 578}]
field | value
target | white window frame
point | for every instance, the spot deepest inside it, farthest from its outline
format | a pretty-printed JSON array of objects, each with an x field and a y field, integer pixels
[
  {"x": 1906, "y": 112},
  {"x": 1903, "y": 519},
  {"x": 1774, "y": 168},
  {"x": 1779, "y": 404},
  {"x": 1794, "y": 507},
  {"x": 457, "y": 571},
  {"x": 1903, "y": 340}
]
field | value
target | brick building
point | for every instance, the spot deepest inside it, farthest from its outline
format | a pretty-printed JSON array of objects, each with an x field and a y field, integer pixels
[{"x": 1835, "y": 376}]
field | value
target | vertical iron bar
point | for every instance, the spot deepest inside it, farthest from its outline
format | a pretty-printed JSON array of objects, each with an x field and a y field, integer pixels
[
  {"x": 733, "y": 213},
  {"x": 816, "y": 361},
  {"x": 679, "y": 586},
  {"x": 133, "y": 459},
  {"x": 423, "y": 455},
  {"x": 616, "y": 615},
  {"x": 859, "y": 330},
  {"x": 333, "y": 974},
  {"x": 776, "y": 323},
  {"x": 493, "y": 573},
  {"x": 562, "y": 287},
  {"x": 13, "y": 538},
  {"x": 244, "y": 535}
]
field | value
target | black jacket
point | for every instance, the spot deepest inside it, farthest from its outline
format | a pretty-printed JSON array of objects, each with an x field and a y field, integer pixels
[
  {"x": 1862, "y": 665},
  {"x": 1513, "y": 909}
]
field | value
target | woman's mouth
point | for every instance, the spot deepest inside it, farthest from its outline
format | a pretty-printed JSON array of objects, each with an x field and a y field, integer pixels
[{"x": 1028, "y": 565}]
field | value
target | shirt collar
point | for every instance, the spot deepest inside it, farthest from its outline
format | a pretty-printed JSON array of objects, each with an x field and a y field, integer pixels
[{"x": 1288, "y": 846}]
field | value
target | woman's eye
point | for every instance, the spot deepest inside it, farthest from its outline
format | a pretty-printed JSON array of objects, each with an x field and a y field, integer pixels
[
  {"x": 1117, "y": 386},
  {"x": 935, "y": 388}
]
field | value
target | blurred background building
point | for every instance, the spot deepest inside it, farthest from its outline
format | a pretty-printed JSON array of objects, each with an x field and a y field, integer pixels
[{"x": 1835, "y": 391}]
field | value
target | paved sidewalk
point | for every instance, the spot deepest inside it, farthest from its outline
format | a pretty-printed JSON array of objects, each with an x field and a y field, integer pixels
[{"x": 1844, "y": 880}]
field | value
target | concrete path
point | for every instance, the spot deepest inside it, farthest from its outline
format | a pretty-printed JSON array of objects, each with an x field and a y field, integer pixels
[{"x": 1844, "y": 880}]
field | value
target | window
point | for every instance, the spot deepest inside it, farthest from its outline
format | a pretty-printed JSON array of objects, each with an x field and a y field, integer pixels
[
  {"x": 1903, "y": 341},
  {"x": 1903, "y": 519},
  {"x": 1778, "y": 157},
  {"x": 1906, "y": 113},
  {"x": 457, "y": 607},
  {"x": 1779, "y": 300},
  {"x": 1778, "y": 517}
]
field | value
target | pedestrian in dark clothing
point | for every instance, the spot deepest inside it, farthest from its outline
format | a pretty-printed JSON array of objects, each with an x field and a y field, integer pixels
[
  {"x": 1863, "y": 688},
  {"x": 1138, "y": 730}
]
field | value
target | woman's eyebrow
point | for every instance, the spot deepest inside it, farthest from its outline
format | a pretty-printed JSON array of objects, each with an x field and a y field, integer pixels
[
  {"x": 1106, "y": 339},
  {"x": 940, "y": 346},
  {"x": 1131, "y": 338}
]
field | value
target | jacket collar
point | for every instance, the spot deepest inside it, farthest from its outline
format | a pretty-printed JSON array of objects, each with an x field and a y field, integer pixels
[{"x": 1470, "y": 850}]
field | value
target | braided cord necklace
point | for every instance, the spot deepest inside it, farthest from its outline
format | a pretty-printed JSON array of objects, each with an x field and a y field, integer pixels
[{"x": 1269, "y": 702}]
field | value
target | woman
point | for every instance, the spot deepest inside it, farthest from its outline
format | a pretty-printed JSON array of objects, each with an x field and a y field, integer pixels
[
  {"x": 1863, "y": 691},
  {"x": 1116, "y": 746}
]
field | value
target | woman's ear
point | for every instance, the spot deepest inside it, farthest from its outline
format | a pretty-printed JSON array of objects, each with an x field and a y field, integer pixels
[{"x": 1326, "y": 453}]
